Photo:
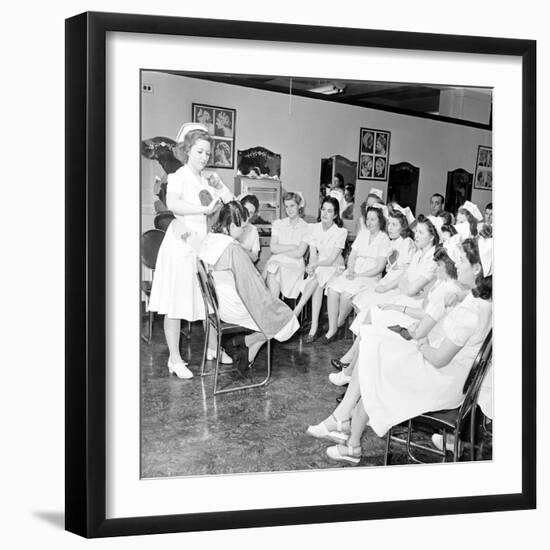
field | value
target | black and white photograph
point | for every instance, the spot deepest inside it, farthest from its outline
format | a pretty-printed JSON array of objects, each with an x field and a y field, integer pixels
[
  {"x": 484, "y": 168},
  {"x": 373, "y": 166},
  {"x": 279, "y": 334}
]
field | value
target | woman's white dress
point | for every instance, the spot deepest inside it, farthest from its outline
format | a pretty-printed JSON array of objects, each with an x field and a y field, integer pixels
[
  {"x": 369, "y": 250},
  {"x": 397, "y": 383},
  {"x": 175, "y": 290},
  {"x": 289, "y": 272},
  {"x": 422, "y": 265},
  {"x": 326, "y": 241}
]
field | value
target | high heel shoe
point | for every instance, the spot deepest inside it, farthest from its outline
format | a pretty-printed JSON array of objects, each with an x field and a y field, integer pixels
[
  {"x": 180, "y": 370},
  {"x": 225, "y": 360},
  {"x": 337, "y": 364},
  {"x": 339, "y": 378},
  {"x": 352, "y": 457},
  {"x": 320, "y": 431},
  {"x": 310, "y": 338}
]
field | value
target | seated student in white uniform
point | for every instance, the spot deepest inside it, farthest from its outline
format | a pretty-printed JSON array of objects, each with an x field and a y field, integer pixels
[
  {"x": 415, "y": 322},
  {"x": 242, "y": 295},
  {"x": 366, "y": 263},
  {"x": 284, "y": 270},
  {"x": 326, "y": 240},
  {"x": 467, "y": 219},
  {"x": 250, "y": 240},
  {"x": 397, "y": 379},
  {"x": 375, "y": 196}
]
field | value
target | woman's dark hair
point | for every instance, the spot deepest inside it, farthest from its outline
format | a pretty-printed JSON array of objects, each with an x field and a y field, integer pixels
[
  {"x": 253, "y": 200},
  {"x": 489, "y": 206},
  {"x": 381, "y": 217},
  {"x": 449, "y": 229},
  {"x": 406, "y": 231},
  {"x": 441, "y": 255},
  {"x": 340, "y": 178},
  {"x": 336, "y": 205},
  {"x": 181, "y": 150},
  {"x": 448, "y": 218},
  {"x": 472, "y": 222},
  {"x": 364, "y": 203},
  {"x": 351, "y": 188},
  {"x": 431, "y": 228},
  {"x": 232, "y": 212},
  {"x": 484, "y": 285}
]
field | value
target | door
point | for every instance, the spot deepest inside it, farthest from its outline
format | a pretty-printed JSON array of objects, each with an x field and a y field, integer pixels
[
  {"x": 459, "y": 189},
  {"x": 403, "y": 184}
]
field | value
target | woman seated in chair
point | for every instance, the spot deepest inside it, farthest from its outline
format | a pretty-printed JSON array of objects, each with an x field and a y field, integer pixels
[
  {"x": 243, "y": 297},
  {"x": 398, "y": 379},
  {"x": 284, "y": 271},
  {"x": 413, "y": 322},
  {"x": 366, "y": 263},
  {"x": 326, "y": 240}
]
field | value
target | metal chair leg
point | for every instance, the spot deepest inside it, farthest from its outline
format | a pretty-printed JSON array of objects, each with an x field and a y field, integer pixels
[
  {"x": 206, "y": 336},
  {"x": 387, "y": 451}
]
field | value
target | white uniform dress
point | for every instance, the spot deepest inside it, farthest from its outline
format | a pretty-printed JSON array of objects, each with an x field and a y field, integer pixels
[
  {"x": 422, "y": 265},
  {"x": 434, "y": 306},
  {"x": 175, "y": 291},
  {"x": 325, "y": 241},
  {"x": 368, "y": 249},
  {"x": 397, "y": 383},
  {"x": 288, "y": 271}
]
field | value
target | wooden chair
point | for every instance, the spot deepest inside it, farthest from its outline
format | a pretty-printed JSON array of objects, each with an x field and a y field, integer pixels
[
  {"x": 452, "y": 421},
  {"x": 211, "y": 306}
]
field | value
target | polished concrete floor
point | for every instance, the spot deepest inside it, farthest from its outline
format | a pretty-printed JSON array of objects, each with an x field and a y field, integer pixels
[{"x": 186, "y": 431}]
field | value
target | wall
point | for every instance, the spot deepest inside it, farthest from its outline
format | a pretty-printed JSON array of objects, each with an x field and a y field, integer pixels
[{"x": 306, "y": 130}]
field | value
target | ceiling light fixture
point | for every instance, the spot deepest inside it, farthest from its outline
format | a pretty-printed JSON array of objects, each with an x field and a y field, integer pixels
[{"x": 329, "y": 89}]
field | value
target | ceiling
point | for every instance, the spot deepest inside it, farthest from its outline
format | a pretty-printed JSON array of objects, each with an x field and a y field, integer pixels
[{"x": 423, "y": 100}]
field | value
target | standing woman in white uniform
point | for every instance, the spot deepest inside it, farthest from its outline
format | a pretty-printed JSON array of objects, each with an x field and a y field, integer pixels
[
  {"x": 284, "y": 271},
  {"x": 191, "y": 197},
  {"x": 326, "y": 240},
  {"x": 365, "y": 266}
]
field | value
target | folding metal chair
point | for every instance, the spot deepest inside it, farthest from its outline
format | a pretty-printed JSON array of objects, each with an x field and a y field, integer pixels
[
  {"x": 453, "y": 420},
  {"x": 211, "y": 306}
]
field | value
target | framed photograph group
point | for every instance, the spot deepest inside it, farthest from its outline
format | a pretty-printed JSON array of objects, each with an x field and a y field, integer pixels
[
  {"x": 374, "y": 155},
  {"x": 105, "y": 495},
  {"x": 483, "y": 178},
  {"x": 220, "y": 122}
]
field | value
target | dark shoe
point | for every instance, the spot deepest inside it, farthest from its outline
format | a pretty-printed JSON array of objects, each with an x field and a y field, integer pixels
[
  {"x": 339, "y": 398},
  {"x": 337, "y": 364},
  {"x": 309, "y": 339}
]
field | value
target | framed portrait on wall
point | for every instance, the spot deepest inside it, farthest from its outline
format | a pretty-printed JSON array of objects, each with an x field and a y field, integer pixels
[
  {"x": 484, "y": 168},
  {"x": 220, "y": 122},
  {"x": 110, "y": 420},
  {"x": 374, "y": 154}
]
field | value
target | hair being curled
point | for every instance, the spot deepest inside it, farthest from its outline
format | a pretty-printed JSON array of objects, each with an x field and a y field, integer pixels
[
  {"x": 484, "y": 285},
  {"x": 431, "y": 228},
  {"x": 181, "y": 150},
  {"x": 336, "y": 205},
  {"x": 253, "y": 200},
  {"x": 232, "y": 212}
]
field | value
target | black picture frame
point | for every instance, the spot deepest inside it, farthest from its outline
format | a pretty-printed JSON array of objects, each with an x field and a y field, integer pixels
[
  {"x": 220, "y": 135},
  {"x": 371, "y": 157},
  {"x": 86, "y": 283},
  {"x": 483, "y": 173}
]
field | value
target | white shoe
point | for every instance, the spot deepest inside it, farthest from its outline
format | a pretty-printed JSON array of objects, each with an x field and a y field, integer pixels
[
  {"x": 351, "y": 457},
  {"x": 180, "y": 370},
  {"x": 211, "y": 354},
  {"x": 320, "y": 431},
  {"x": 339, "y": 378},
  {"x": 437, "y": 440}
]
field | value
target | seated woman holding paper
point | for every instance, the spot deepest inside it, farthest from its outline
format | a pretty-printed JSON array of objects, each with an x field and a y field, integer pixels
[{"x": 243, "y": 297}]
